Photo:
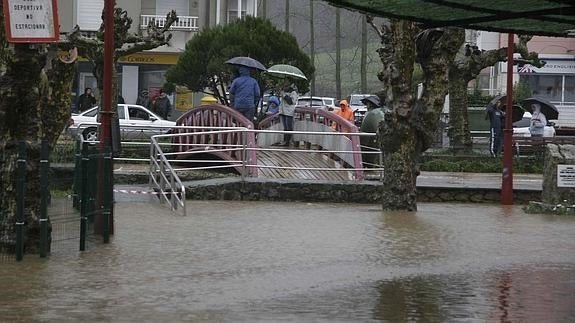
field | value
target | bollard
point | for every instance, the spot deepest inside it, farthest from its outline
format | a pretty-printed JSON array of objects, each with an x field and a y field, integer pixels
[
  {"x": 20, "y": 194},
  {"x": 77, "y": 175},
  {"x": 107, "y": 198},
  {"x": 44, "y": 193},
  {"x": 84, "y": 203}
]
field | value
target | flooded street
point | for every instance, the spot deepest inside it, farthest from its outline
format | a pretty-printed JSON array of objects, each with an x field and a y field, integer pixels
[{"x": 267, "y": 262}]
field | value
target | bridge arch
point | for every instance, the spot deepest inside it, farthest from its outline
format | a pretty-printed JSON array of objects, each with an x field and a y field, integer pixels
[
  {"x": 318, "y": 120},
  {"x": 214, "y": 116}
]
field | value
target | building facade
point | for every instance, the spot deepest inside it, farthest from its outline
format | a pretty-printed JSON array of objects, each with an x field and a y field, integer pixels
[
  {"x": 146, "y": 70},
  {"x": 554, "y": 82}
]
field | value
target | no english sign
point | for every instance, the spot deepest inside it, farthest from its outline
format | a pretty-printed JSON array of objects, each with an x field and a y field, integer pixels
[{"x": 31, "y": 21}]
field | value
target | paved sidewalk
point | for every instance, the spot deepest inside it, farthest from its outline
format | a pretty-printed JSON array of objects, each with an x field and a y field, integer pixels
[{"x": 532, "y": 182}]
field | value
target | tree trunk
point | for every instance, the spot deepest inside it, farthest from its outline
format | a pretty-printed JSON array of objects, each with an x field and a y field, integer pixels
[
  {"x": 363, "y": 63},
  {"x": 287, "y": 14},
  {"x": 409, "y": 125},
  {"x": 459, "y": 135},
  {"x": 21, "y": 89},
  {"x": 338, "y": 53},
  {"x": 264, "y": 9},
  {"x": 312, "y": 43}
]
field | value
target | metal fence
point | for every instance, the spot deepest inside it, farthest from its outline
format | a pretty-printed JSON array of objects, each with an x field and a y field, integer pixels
[{"x": 69, "y": 209}]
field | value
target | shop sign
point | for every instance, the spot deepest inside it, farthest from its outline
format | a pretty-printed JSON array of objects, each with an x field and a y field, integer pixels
[
  {"x": 551, "y": 67},
  {"x": 31, "y": 21},
  {"x": 565, "y": 175},
  {"x": 160, "y": 59}
]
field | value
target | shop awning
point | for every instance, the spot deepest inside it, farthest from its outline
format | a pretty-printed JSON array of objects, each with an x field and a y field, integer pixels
[{"x": 534, "y": 17}]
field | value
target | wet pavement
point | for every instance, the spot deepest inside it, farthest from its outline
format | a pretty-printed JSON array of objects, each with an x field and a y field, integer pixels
[{"x": 303, "y": 262}]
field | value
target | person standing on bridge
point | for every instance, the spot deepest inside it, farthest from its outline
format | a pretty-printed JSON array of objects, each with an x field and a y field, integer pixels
[
  {"x": 245, "y": 94},
  {"x": 289, "y": 99},
  {"x": 344, "y": 112}
]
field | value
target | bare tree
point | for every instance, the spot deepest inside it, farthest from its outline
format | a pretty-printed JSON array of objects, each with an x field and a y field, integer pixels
[
  {"x": 338, "y": 52},
  {"x": 410, "y": 124},
  {"x": 363, "y": 63}
]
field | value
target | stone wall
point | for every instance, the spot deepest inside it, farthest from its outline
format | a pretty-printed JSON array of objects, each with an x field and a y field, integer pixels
[
  {"x": 329, "y": 192},
  {"x": 557, "y": 155}
]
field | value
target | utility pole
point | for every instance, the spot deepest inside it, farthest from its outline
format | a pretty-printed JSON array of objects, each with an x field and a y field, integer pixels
[
  {"x": 338, "y": 53},
  {"x": 312, "y": 44},
  {"x": 363, "y": 62},
  {"x": 287, "y": 17}
]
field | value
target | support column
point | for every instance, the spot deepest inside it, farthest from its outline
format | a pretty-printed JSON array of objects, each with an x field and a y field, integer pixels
[{"x": 130, "y": 81}]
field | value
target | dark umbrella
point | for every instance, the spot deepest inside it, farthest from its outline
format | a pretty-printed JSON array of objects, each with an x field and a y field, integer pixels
[
  {"x": 246, "y": 62},
  {"x": 373, "y": 99},
  {"x": 547, "y": 108},
  {"x": 518, "y": 112},
  {"x": 499, "y": 97}
]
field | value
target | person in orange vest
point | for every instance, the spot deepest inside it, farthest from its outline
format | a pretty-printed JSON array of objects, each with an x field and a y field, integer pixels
[{"x": 344, "y": 112}]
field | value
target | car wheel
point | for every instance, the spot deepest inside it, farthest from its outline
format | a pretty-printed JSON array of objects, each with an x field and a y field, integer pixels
[{"x": 90, "y": 134}]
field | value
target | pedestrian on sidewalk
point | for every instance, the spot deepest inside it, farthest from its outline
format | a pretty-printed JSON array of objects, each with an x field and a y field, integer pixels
[
  {"x": 289, "y": 98},
  {"x": 162, "y": 106},
  {"x": 496, "y": 117},
  {"x": 538, "y": 121}
]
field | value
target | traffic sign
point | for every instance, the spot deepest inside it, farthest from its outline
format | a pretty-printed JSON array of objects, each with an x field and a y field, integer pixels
[{"x": 31, "y": 21}]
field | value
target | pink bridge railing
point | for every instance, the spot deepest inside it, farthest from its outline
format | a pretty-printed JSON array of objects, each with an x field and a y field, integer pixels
[
  {"x": 325, "y": 121},
  {"x": 229, "y": 145}
]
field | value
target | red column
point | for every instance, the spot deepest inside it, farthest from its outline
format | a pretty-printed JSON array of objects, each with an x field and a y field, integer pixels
[
  {"x": 507, "y": 174},
  {"x": 106, "y": 111}
]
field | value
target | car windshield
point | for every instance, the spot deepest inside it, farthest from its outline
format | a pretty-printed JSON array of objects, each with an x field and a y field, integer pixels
[
  {"x": 356, "y": 99},
  {"x": 306, "y": 102},
  {"x": 329, "y": 101},
  {"x": 91, "y": 113}
]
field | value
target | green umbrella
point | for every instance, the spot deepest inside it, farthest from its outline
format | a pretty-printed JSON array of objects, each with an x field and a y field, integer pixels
[{"x": 283, "y": 70}]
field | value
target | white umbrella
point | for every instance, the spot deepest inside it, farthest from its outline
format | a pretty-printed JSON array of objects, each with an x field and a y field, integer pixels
[{"x": 284, "y": 70}]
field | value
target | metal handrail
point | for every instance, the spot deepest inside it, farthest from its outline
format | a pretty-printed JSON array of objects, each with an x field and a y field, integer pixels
[{"x": 173, "y": 182}]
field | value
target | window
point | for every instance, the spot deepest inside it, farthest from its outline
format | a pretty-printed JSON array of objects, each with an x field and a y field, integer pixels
[
  {"x": 138, "y": 114},
  {"x": 89, "y": 14},
  {"x": 569, "y": 95},
  {"x": 548, "y": 87},
  {"x": 247, "y": 8}
]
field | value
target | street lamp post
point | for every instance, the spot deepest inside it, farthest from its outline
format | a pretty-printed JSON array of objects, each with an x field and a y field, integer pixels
[{"x": 507, "y": 174}]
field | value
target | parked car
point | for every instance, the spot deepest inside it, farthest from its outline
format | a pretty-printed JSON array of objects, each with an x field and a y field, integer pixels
[
  {"x": 521, "y": 127},
  {"x": 329, "y": 103},
  {"x": 359, "y": 109},
  {"x": 136, "y": 122},
  {"x": 314, "y": 102}
]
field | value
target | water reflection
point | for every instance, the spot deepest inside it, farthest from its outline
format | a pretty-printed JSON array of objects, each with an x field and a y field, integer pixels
[{"x": 235, "y": 261}]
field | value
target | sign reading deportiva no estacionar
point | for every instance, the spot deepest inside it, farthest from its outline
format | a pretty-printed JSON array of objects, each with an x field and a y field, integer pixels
[{"x": 31, "y": 21}]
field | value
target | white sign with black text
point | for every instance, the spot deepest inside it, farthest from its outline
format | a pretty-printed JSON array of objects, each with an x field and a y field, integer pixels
[
  {"x": 31, "y": 21},
  {"x": 565, "y": 175}
]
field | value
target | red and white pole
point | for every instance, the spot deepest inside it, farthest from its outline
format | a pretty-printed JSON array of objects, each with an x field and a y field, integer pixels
[{"x": 507, "y": 174}]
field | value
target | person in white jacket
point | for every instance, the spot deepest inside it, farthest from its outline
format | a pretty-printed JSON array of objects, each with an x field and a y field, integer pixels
[
  {"x": 538, "y": 121},
  {"x": 288, "y": 97}
]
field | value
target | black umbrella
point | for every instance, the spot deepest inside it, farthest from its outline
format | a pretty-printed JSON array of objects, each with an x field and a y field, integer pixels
[
  {"x": 547, "y": 108},
  {"x": 499, "y": 97},
  {"x": 518, "y": 112},
  {"x": 246, "y": 62},
  {"x": 373, "y": 99}
]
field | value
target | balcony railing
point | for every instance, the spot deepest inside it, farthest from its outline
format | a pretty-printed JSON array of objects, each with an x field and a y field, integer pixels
[{"x": 184, "y": 23}]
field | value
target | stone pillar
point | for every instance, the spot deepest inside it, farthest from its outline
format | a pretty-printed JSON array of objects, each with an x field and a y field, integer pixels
[{"x": 557, "y": 155}]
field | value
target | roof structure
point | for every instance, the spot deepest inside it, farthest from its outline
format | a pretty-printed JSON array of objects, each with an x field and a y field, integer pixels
[{"x": 533, "y": 17}]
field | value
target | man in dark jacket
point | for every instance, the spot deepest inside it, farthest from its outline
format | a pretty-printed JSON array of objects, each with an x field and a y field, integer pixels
[
  {"x": 162, "y": 106},
  {"x": 85, "y": 101},
  {"x": 245, "y": 94},
  {"x": 496, "y": 117},
  {"x": 144, "y": 99}
]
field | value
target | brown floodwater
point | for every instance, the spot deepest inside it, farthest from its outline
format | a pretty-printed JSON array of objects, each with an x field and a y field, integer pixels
[{"x": 302, "y": 262}]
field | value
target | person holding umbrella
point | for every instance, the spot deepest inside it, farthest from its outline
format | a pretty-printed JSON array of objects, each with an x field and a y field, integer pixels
[
  {"x": 289, "y": 99},
  {"x": 496, "y": 118},
  {"x": 538, "y": 121},
  {"x": 245, "y": 93}
]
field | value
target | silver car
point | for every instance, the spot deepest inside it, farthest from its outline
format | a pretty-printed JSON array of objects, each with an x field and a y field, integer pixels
[{"x": 136, "y": 122}]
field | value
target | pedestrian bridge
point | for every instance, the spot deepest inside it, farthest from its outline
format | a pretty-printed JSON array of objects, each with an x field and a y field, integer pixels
[{"x": 215, "y": 136}]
